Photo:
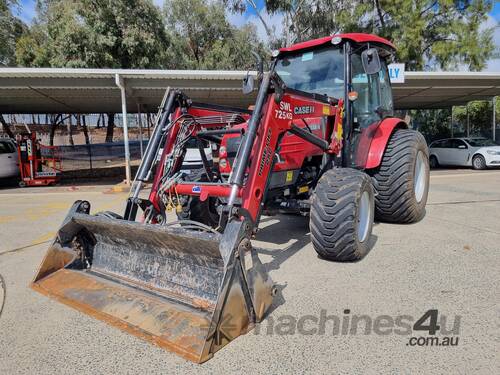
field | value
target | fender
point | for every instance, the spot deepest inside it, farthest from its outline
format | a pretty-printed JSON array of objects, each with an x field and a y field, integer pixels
[{"x": 380, "y": 139}]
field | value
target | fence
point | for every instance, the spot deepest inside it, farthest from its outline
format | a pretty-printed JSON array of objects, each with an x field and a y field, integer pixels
[{"x": 98, "y": 156}]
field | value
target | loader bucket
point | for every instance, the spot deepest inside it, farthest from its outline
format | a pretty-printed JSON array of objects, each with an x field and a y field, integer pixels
[{"x": 188, "y": 292}]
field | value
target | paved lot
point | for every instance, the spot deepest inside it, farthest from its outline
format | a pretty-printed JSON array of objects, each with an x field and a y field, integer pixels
[{"x": 449, "y": 261}]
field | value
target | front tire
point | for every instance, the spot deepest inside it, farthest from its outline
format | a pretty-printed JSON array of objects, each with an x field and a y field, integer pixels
[
  {"x": 342, "y": 212},
  {"x": 402, "y": 179},
  {"x": 478, "y": 162}
]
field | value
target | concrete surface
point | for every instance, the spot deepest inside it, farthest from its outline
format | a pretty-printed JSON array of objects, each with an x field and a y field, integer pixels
[{"x": 449, "y": 261}]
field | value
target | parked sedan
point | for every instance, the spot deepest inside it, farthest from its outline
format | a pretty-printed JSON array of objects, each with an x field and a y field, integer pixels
[
  {"x": 8, "y": 159},
  {"x": 477, "y": 153}
]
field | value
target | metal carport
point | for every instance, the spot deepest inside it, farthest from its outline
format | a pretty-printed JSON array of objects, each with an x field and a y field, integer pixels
[{"x": 52, "y": 90}]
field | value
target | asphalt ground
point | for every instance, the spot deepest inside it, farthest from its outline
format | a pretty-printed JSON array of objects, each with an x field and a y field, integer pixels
[{"x": 448, "y": 262}]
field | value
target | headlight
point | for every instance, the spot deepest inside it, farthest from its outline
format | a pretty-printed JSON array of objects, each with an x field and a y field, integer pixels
[{"x": 492, "y": 152}]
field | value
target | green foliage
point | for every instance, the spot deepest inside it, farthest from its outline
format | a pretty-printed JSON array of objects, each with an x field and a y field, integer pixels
[
  {"x": 430, "y": 34},
  {"x": 480, "y": 117},
  {"x": 433, "y": 124},
  {"x": 10, "y": 30},
  {"x": 95, "y": 34},
  {"x": 203, "y": 38},
  {"x": 189, "y": 34},
  {"x": 436, "y": 123}
]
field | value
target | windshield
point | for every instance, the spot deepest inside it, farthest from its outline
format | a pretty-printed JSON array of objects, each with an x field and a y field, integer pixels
[
  {"x": 320, "y": 71},
  {"x": 480, "y": 142}
]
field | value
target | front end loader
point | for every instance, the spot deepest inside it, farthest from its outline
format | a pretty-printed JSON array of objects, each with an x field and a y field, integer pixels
[{"x": 178, "y": 267}]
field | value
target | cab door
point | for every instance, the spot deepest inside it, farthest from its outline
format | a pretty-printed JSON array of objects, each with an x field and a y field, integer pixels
[{"x": 374, "y": 103}]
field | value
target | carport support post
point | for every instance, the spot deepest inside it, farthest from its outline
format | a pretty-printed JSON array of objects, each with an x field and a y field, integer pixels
[
  {"x": 121, "y": 85},
  {"x": 140, "y": 127},
  {"x": 467, "y": 111},
  {"x": 494, "y": 117},
  {"x": 451, "y": 122}
]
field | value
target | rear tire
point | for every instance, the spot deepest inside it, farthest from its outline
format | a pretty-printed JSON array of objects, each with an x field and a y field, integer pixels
[
  {"x": 342, "y": 211},
  {"x": 402, "y": 179},
  {"x": 478, "y": 162},
  {"x": 204, "y": 212},
  {"x": 195, "y": 209}
]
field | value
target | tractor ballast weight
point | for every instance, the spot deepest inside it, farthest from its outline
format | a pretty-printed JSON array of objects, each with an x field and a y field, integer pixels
[{"x": 192, "y": 285}]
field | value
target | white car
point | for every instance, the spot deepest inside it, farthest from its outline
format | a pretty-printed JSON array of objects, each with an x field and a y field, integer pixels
[
  {"x": 8, "y": 159},
  {"x": 477, "y": 153}
]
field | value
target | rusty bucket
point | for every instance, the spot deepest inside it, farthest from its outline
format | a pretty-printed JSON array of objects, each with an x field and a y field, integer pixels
[{"x": 186, "y": 291}]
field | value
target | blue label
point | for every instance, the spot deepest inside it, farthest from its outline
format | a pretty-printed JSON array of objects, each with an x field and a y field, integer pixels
[{"x": 196, "y": 189}]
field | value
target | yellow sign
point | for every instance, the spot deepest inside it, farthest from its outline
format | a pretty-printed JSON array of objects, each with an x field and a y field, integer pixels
[
  {"x": 303, "y": 189},
  {"x": 289, "y": 176},
  {"x": 326, "y": 110}
]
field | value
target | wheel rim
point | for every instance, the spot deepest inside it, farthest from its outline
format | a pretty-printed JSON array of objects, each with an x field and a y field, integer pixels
[
  {"x": 478, "y": 163},
  {"x": 420, "y": 177},
  {"x": 364, "y": 217}
]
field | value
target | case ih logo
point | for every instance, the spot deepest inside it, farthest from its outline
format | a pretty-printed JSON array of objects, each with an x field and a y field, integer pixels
[{"x": 303, "y": 110}]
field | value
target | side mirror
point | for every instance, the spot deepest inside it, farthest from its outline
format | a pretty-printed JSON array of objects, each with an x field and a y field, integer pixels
[
  {"x": 371, "y": 61},
  {"x": 248, "y": 84}
]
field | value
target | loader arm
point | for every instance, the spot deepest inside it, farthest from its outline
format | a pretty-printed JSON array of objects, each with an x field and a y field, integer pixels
[{"x": 269, "y": 123}]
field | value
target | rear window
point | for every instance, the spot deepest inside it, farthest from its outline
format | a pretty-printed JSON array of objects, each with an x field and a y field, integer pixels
[{"x": 6, "y": 147}]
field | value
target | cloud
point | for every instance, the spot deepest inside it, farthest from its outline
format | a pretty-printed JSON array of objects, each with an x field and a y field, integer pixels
[{"x": 274, "y": 22}]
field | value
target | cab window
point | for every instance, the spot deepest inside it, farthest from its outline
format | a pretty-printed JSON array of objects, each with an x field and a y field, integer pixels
[{"x": 374, "y": 94}]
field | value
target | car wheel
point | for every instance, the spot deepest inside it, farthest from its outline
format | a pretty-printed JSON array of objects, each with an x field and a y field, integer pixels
[
  {"x": 433, "y": 162},
  {"x": 478, "y": 162}
]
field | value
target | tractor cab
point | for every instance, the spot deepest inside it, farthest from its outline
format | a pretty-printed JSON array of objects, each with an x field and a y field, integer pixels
[{"x": 352, "y": 66}]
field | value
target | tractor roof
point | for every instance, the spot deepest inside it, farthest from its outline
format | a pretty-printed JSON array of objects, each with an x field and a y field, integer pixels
[{"x": 355, "y": 37}]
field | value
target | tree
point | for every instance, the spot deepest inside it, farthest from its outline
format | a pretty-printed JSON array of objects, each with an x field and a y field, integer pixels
[
  {"x": 430, "y": 34},
  {"x": 6, "y": 127},
  {"x": 10, "y": 29},
  {"x": 110, "y": 127},
  {"x": 480, "y": 115},
  {"x": 205, "y": 39},
  {"x": 95, "y": 34}
]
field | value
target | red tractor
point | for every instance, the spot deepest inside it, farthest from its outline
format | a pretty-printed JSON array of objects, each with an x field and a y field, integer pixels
[{"x": 320, "y": 141}]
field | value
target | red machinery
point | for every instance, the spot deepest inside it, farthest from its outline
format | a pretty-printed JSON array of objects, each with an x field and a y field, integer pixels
[
  {"x": 39, "y": 165},
  {"x": 320, "y": 141}
]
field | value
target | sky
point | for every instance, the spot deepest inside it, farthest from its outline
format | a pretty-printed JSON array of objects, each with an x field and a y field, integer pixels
[{"x": 26, "y": 12}]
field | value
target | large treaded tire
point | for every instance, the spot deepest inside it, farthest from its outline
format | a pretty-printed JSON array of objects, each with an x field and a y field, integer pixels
[
  {"x": 335, "y": 214},
  {"x": 394, "y": 180}
]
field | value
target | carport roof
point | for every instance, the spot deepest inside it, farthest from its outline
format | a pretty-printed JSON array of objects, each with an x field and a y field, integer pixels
[{"x": 48, "y": 90}]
